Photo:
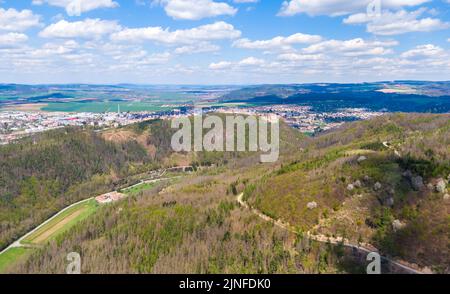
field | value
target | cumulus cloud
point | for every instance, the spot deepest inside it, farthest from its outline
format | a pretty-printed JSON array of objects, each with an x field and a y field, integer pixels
[
  {"x": 339, "y": 7},
  {"x": 215, "y": 31},
  {"x": 424, "y": 51},
  {"x": 195, "y": 9},
  {"x": 244, "y": 64},
  {"x": 88, "y": 28},
  {"x": 400, "y": 22},
  {"x": 353, "y": 47},
  {"x": 12, "y": 39},
  {"x": 103, "y": 48},
  {"x": 220, "y": 65},
  {"x": 77, "y": 7},
  {"x": 278, "y": 43},
  {"x": 202, "y": 47},
  {"x": 334, "y": 59},
  {"x": 52, "y": 49},
  {"x": 18, "y": 21}
]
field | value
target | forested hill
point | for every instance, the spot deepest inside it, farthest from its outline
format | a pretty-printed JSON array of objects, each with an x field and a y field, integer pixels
[
  {"x": 42, "y": 174},
  {"x": 391, "y": 97},
  {"x": 382, "y": 182}
]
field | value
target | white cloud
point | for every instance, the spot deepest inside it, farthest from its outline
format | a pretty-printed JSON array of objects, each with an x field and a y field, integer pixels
[
  {"x": 296, "y": 57},
  {"x": 278, "y": 43},
  {"x": 216, "y": 31},
  {"x": 196, "y": 9},
  {"x": 221, "y": 65},
  {"x": 400, "y": 22},
  {"x": 424, "y": 51},
  {"x": 77, "y": 7},
  {"x": 18, "y": 21},
  {"x": 339, "y": 7},
  {"x": 201, "y": 47},
  {"x": 88, "y": 28},
  {"x": 246, "y": 65},
  {"x": 52, "y": 49},
  {"x": 251, "y": 61},
  {"x": 12, "y": 39},
  {"x": 353, "y": 47}
]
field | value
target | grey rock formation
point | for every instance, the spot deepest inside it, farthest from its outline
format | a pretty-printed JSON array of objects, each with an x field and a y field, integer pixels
[
  {"x": 407, "y": 174},
  {"x": 397, "y": 225},
  {"x": 389, "y": 201},
  {"x": 377, "y": 186},
  {"x": 362, "y": 158},
  {"x": 417, "y": 183},
  {"x": 312, "y": 205},
  {"x": 441, "y": 186}
]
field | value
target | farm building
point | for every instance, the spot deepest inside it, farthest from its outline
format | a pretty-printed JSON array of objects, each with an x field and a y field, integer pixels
[{"x": 109, "y": 197}]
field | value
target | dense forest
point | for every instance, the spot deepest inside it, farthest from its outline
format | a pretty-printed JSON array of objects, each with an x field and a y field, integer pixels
[
  {"x": 44, "y": 173},
  {"x": 377, "y": 182},
  {"x": 381, "y": 182},
  {"x": 192, "y": 226}
]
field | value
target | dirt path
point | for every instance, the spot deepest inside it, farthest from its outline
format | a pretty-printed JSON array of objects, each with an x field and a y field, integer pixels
[
  {"x": 47, "y": 233},
  {"x": 324, "y": 239}
]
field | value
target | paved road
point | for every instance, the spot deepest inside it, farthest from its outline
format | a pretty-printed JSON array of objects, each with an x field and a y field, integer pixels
[{"x": 325, "y": 239}]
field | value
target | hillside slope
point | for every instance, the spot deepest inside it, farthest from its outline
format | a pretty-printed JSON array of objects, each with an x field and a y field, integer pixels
[
  {"x": 360, "y": 178},
  {"x": 42, "y": 174},
  {"x": 381, "y": 182}
]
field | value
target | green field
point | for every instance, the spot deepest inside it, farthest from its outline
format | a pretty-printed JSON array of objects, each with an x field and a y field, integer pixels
[
  {"x": 62, "y": 222},
  {"x": 55, "y": 227},
  {"x": 104, "y": 107},
  {"x": 139, "y": 188},
  {"x": 11, "y": 256}
]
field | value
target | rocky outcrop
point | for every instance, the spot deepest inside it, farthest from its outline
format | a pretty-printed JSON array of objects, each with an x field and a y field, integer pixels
[
  {"x": 397, "y": 225},
  {"x": 417, "y": 183},
  {"x": 407, "y": 174},
  {"x": 377, "y": 186},
  {"x": 362, "y": 158},
  {"x": 441, "y": 186},
  {"x": 312, "y": 205},
  {"x": 389, "y": 201}
]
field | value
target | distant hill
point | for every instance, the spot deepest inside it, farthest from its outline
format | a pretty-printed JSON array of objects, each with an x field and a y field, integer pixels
[{"x": 429, "y": 97}]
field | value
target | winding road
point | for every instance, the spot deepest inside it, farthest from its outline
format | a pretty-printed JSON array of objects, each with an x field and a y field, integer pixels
[{"x": 325, "y": 239}]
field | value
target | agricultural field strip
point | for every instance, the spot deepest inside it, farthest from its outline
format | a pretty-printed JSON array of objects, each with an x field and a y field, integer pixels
[
  {"x": 320, "y": 238},
  {"x": 46, "y": 234}
]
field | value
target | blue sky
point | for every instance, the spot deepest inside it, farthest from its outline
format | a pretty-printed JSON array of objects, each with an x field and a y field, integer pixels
[{"x": 223, "y": 42}]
